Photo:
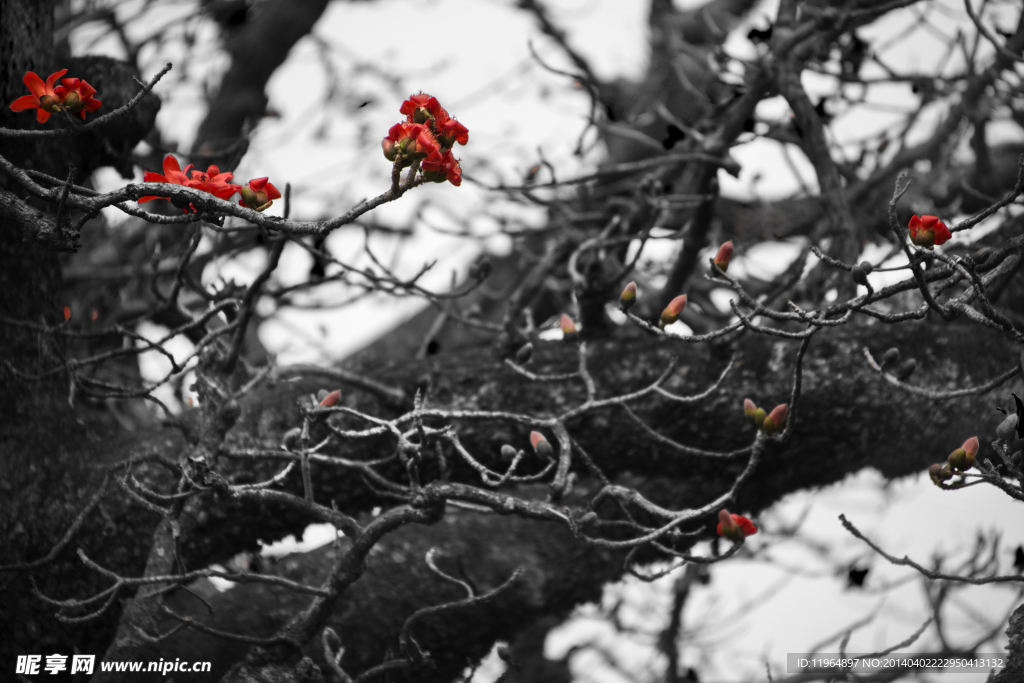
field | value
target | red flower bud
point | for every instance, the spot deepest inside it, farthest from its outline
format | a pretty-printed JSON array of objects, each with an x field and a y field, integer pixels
[
  {"x": 926, "y": 231},
  {"x": 749, "y": 408},
  {"x": 724, "y": 256},
  {"x": 672, "y": 311},
  {"x": 331, "y": 398},
  {"x": 628, "y": 297},
  {"x": 569, "y": 330},
  {"x": 734, "y": 527},
  {"x": 541, "y": 445},
  {"x": 775, "y": 420},
  {"x": 67, "y": 313},
  {"x": 963, "y": 458}
]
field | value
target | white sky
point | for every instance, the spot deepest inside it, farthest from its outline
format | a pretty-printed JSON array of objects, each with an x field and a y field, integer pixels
[{"x": 480, "y": 69}]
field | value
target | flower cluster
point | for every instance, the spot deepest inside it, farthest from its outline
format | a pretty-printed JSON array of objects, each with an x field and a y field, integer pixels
[
  {"x": 73, "y": 95},
  {"x": 258, "y": 194},
  {"x": 427, "y": 136},
  {"x": 769, "y": 423},
  {"x": 734, "y": 527},
  {"x": 926, "y": 231},
  {"x": 958, "y": 462}
]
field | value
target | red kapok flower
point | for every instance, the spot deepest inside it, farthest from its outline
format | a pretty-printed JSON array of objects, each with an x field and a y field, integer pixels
[
  {"x": 453, "y": 131},
  {"x": 439, "y": 167},
  {"x": 67, "y": 313},
  {"x": 926, "y": 231},
  {"x": 172, "y": 174},
  {"x": 43, "y": 98},
  {"x": 77, "y": 96},
  {"x": 724, "y": 256},
  {"x": 213, "y": 181},
  {"x": 413, "y": 140},
  {"x": 419, "y": 108},
  {"x": 734, "y": 527},
  {"x": 672, "y": 311},
  {"x": 258, "y": 194}
]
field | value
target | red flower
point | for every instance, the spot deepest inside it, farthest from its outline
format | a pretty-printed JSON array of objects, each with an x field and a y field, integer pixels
[
  {"x": 77, "y": 96},
  {"x": 213, "y": 181},
  {"x": 452, "y": 131},
  {"x": 567, "y": 325},
  {"x": 258, "y": 194},
  {"x": 439, "y": 167},
  {"x": 419, "y": 108},
  {"x": 413, "y": 140},
  {"x": 734, "y": 527},
  {"x": 43, "y": 98},
  {"x": 928, "y": 230}
]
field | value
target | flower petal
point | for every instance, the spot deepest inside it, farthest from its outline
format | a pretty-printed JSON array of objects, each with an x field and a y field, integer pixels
[
  {"x": 34, "y": 83},
  {"x": 42, "y": 116},
  {"x": 25, "y": 102},
  {"x": 53, "y": 79},
  {"x": 171, "y": 165}
]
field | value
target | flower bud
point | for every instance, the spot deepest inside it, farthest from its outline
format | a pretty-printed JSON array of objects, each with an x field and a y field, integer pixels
[
  {"x": 67, "y": 313},
  {"x": 859, "y": 275},
  {"x": 775, "y": 420},
  {"x": 73, "y": 103},
  {"x": 290, "y": 440},
  {"x": 906, "y": 369},
  {"x": 734, "y": 527},
  {"x": 331, "y": 640},
  {"x": 724, "y": 256},
  {"x": 891, "y": 356},
  {"x": 958, "y": 460},
  {"x": 749, "y": 408},
  {"x": 759, "y": 416},
  {"x": 525, "y": 354},
  {"x": 508, "y": 453},
  {"x": 504, "y": 654},
  {"x": 390, "y": 149},
  {"x": 49, "y": 103},
  {"x": 628, "y": 297},
  {"x": 541, "y": 445},
  {"x": 1007, "y": 429},
  {"x": 569, "y": 331},
  {"x": 331, "y": 398},
  {"x": 672, "y": 311},
  {"x": 588, "y": 520}
]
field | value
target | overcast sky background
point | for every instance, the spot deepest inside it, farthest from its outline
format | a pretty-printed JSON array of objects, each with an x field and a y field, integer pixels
[{"x": 479, "y": 66}]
